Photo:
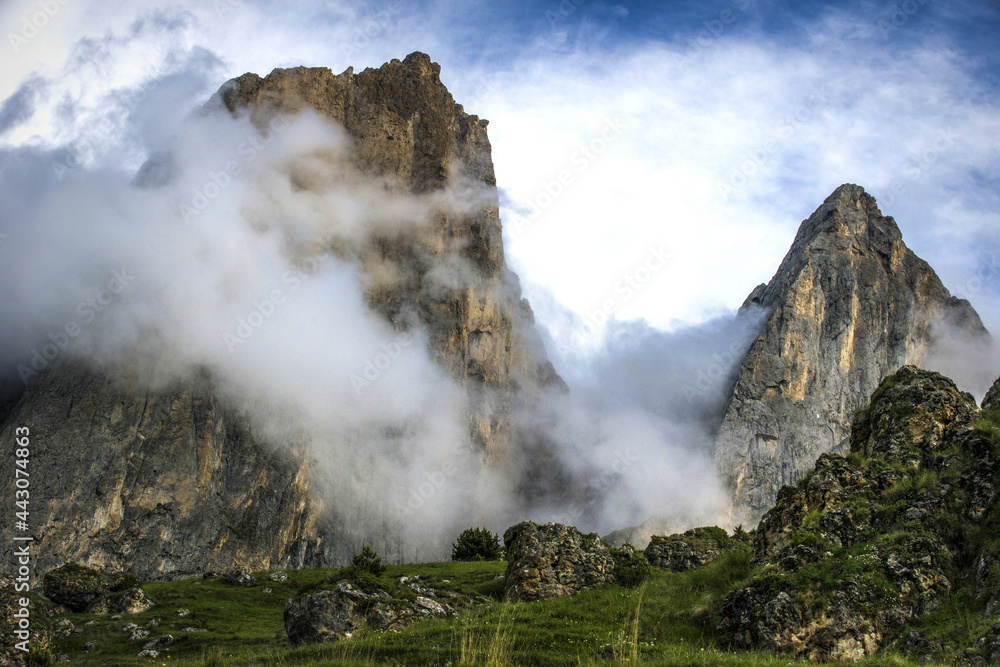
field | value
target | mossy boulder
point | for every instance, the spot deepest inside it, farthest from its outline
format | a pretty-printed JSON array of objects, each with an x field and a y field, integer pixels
[
  {"x": 631, "y": 567},
  {"x": 75, "y": 586},
  {"x": 554, "y": 560},
  {"x": 337, "y": 612},
  {"x": 693, "y": 549},
  {"x": 129, "y": 601},
  {"x": 867, "y": 543}
]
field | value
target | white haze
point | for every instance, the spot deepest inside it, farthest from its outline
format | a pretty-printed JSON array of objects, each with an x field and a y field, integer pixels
[{"x": 215, "y": 257}]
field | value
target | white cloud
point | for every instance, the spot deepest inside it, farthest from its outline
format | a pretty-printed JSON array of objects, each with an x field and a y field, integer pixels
[
  {"x": 801, "y": 117},
  {"x": 724, "y": 156}
]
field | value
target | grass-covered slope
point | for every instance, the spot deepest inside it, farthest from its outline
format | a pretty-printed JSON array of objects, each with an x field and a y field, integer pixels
[{"x": 669, "y": 621}]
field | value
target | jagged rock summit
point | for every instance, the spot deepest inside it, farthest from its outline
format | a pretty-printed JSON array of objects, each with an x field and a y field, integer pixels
[
  {"x": 849, "y": 305},
  {"x": 173, "y": 481}
]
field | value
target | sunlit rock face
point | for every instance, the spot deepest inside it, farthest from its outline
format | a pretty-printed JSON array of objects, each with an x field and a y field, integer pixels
[
  {"x": 849, "y": 305},
  {"x": 406, "y": 128}
]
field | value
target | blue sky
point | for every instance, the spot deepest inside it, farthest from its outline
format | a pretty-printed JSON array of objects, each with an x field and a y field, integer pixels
[{"x": 721, "y": 124}]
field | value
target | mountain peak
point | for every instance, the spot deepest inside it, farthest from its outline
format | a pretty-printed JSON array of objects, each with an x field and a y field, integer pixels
[
  {"x": 848, "y": 222},
  {"x": 851, "y": 215},
  {"x": 849, "y": 305}
]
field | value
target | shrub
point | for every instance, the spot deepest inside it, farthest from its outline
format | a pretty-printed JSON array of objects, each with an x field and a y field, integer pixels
[
  {"x": 126, "y": 582},
  {"x": 367, "y": 560},
  {"x": 476, "y": 544},
  {"x": 631, "y": 567},
  {"x": 366, "y": 581}
]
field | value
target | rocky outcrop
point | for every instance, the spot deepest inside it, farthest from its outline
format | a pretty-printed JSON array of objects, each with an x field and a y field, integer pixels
[
  {"x": 849, "y": 305},
  {"x": 241, "y": 576},
  {"x": 554, "y": 560},
  {"x": 129, "y": 601},
  {"x": 865, "y": 544},
  {"x": 690, "y": 550},
  {"x": 992, "y": 399},
  {"x": 75, "y": 586},
  {"x": 322, "y": 617},
  {"x": 335, "y": 614},
  {"x": 172, "y": 481}
]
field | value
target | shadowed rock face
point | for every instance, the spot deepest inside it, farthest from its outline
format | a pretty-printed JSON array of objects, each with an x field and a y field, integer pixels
[
  {"x": 160, "y": 484},
  {"x": 173, "y": 482},
  {"x": 849, "y": 305}
]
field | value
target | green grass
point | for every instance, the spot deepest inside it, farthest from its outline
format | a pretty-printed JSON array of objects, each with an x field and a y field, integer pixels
[
  {"x": 989, "y": 423},
  {"x": 670, "y": 620}
]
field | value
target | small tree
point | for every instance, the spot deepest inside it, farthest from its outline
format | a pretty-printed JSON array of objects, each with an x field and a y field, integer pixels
[
  {"x": 741, "y": 535},
  {"x": 368, "y": 561},
  {"x": 477, "y": 544}
]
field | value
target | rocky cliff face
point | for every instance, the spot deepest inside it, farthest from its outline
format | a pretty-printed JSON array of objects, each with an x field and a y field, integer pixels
[
  {"x": 159, "y": 484},
  {"x": 406, "y": 126},
  {"x": 849, "y": 304},
  {"x": 173, "y": 482}
]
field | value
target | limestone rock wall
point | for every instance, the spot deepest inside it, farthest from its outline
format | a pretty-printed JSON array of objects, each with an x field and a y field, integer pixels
[
  {"x": 405, "y": 125},
  {"x": 158, "y": 484}
]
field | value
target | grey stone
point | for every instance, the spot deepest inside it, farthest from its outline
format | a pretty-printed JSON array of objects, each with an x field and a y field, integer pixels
[
  {"x": 554, "y": 560},
  {"x": 159, "y": 643},
  {"x": 241, "y": 576}
]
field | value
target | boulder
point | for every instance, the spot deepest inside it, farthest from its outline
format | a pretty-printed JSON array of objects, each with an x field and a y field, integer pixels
[
  {"x": 335, "y": 614},
  {"x": 322, "y": 617},
  {"x": 695, "y": 548},
  {"x": 554, "y": 560},
  {"x": 131, "y": 601},
  {"x": 75, "y": 586},
  {"x": 241, "y": 576},
  {"x": 159, "y": 643}
]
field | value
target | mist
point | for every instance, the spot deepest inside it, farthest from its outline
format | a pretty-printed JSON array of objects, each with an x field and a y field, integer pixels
[
  {"x": 972, "y": 361},
  {"x": 235, "y": 250}
]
